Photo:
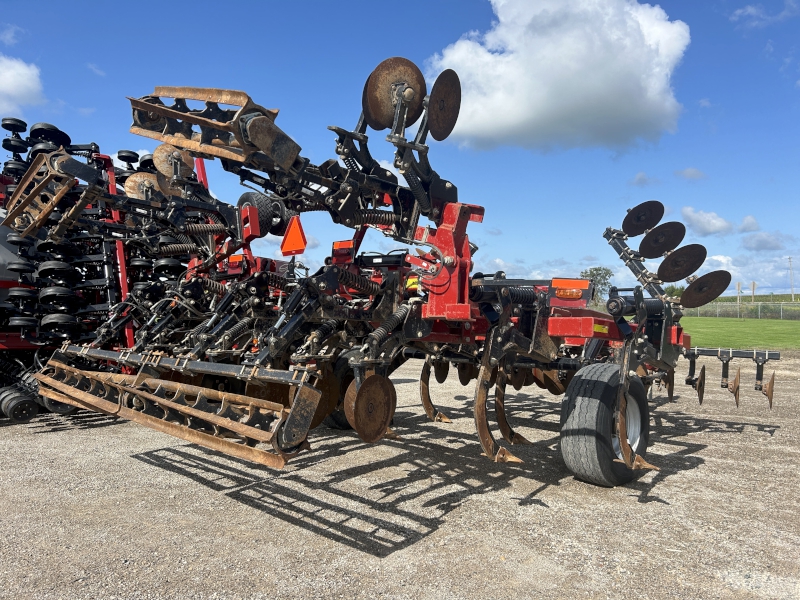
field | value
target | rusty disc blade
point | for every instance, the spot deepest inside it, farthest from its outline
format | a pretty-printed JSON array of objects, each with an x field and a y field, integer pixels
[
  {"x": 517, "y": 377},
  {"x": 705, "y": 289},
  {"x": 166, "y": 153},
  {"x": 444, "y": 105},
  {"x": 464, "y": 373},
  {"x": 552, "y": 383},
  {"x": 165, "y": 186},
  {"x": 682, "y": 263},
  {"x": 664, "y": 238},
  {"x": 381, "y": 86},
  {"x": 329, "y": 386},
  {"x": 371, "y": 408},
  {"x": 642, "y": 217},
  {"x": 441, "y": 369},
  {"x": 700, "y": 385},
  {"x": 136, "y": 184},
  {"x": 365, "y": 107}
]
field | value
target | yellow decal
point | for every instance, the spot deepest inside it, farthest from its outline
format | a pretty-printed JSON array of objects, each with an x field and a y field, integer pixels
[{"x": 601, "y": 328}]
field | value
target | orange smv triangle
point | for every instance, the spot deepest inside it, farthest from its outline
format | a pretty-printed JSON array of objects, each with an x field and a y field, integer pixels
[{"x": 294, "y": 240}]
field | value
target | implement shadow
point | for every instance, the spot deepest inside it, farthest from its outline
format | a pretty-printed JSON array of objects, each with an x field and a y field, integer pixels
[
  {"x": 387, "y": 498},
  {"x": 391, "y": 495},
  {"x": 83, "y": 419}
]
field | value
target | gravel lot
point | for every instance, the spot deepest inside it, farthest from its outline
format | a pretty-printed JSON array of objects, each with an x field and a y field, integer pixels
[{"x": 93, "y": 508}]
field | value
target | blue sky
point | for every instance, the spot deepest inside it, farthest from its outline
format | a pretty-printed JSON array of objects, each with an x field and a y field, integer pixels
[{"x": 573, "y": 111}]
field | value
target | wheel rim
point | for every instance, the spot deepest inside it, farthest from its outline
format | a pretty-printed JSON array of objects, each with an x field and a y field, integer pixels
[{"x": 633, "y": 423}]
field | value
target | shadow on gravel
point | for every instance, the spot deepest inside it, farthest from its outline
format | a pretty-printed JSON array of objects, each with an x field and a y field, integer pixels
[
  {"x": 396, "y": 493},
  {"x": 49, "y": 422}
]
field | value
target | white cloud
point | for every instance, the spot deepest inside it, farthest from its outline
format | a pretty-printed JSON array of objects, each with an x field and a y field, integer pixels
[
  {"x": 705, "y": 103},
  {"x": 95, "y": 69},
  {"x": 8, "y": 34},
  {"x": 20, "y": 85},
  {"x": 567, "y": 73},
  {"x": 705, "y": 223},
  {"x": 690, "y": 173},
  {"x": 749, "y": 223},
  {"x": 641, "y": 180},
  {"x": 87, "y": 112},
  {"x": 754, "y": 15},
  {"x": 764, "y": 242},
  {"x": 494, "y": 231}
]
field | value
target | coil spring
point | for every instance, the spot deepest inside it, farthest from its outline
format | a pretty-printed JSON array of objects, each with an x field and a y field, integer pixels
[
  {"x": 374, "y": 217},
  {"x": 325, "y": 330},
  {"x": 310, "y": 208},
  {"x": 176, "y": 249},
  {"x": 230, "y": 336},
  {"x": 358, "y": 282},
  {"x": 381, "y": 333},
  {"x": 419, "y": 193},
  {"x": 274, "y": 280},
  {"x": 197, "y": 228},
  {"x": 522, "y": 295},
  {"x": 212, "y": 286},
  {"x": 350, "y": 163},
  {"x": 197, "y": 331}
]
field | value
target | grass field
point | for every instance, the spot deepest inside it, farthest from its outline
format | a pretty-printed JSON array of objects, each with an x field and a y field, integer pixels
[
  {"x": 747, "y": 298},
  {"x": 709, "y": 332}
]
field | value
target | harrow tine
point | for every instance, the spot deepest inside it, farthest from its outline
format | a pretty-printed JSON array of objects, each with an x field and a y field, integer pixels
[
  {"x": 69, "y": 395},
  {"x": 425, "y": 395},
  {"x": 669, "y": 382},
  {"x": 490, "y": 447},
  {"x": 733, "y": 387},
  {"x": 506, "y": 430}
]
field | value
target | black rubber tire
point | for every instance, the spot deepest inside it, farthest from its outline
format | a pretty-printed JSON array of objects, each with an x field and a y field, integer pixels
[
  {"x": 588, "y": 425},
  {"x": 49, "y": 133},
  {"x": 263, "y": 205},
  {"x": 15, "y": 145},
  {"x": 20, "y": 408},
  {"x": 13, "y": 125},
  {"x": 21, "y": 266},
  {"x": 41, "y": 148},
  {"x": 59, "y": 408},
  {"x": 16, "y": 239},
  {"x": 15, "y": 168},
  {"x": 26, "y": 322},
  {"x": 128, "y": 156}
]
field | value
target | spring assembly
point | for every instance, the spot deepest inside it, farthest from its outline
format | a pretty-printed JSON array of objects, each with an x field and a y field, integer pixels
[
  {"x": 230, "y": 336},
  {"x": 419, "y": 193},
  {"x": 374, "y": 217},
  {"x": 358, "y": 282},
  {"x": 200, "y": 228},
  {"x": 325, "y": 330},
  {"x": 522, "y": 295},
  {"x": 350, "y": 163},
  {"x": 212, "y": 286},
  {"x": 177, "y": 249},
  {"x": 379, "y": 336}
]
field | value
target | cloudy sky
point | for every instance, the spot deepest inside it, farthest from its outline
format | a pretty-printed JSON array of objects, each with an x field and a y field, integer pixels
[{"x": 573, "y": 110}]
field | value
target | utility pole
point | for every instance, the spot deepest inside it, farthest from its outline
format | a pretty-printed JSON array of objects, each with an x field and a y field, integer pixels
[
  {"x": 791, "y": 277},
  {"x": 738, "y": 292},
  {"x": 753, "y": 288}
]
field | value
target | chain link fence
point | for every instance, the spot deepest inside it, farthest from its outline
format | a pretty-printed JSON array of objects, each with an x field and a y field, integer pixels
[{"x": 789, "y": 311}]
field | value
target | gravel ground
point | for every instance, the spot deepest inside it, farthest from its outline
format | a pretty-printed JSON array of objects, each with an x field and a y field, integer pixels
[{"x": 93, "y": 508}]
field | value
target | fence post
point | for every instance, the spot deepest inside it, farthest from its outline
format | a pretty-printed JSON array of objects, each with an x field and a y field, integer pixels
[
  {"x": 717, "y": 310},
  {"x": 759, "y": 310},
  {"x": 781, "y": 311}
]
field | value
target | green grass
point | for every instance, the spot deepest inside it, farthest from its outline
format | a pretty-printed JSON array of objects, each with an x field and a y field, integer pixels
[
  {"x": 712, "y": 332},
  {"x": 747, "y": 298}
]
